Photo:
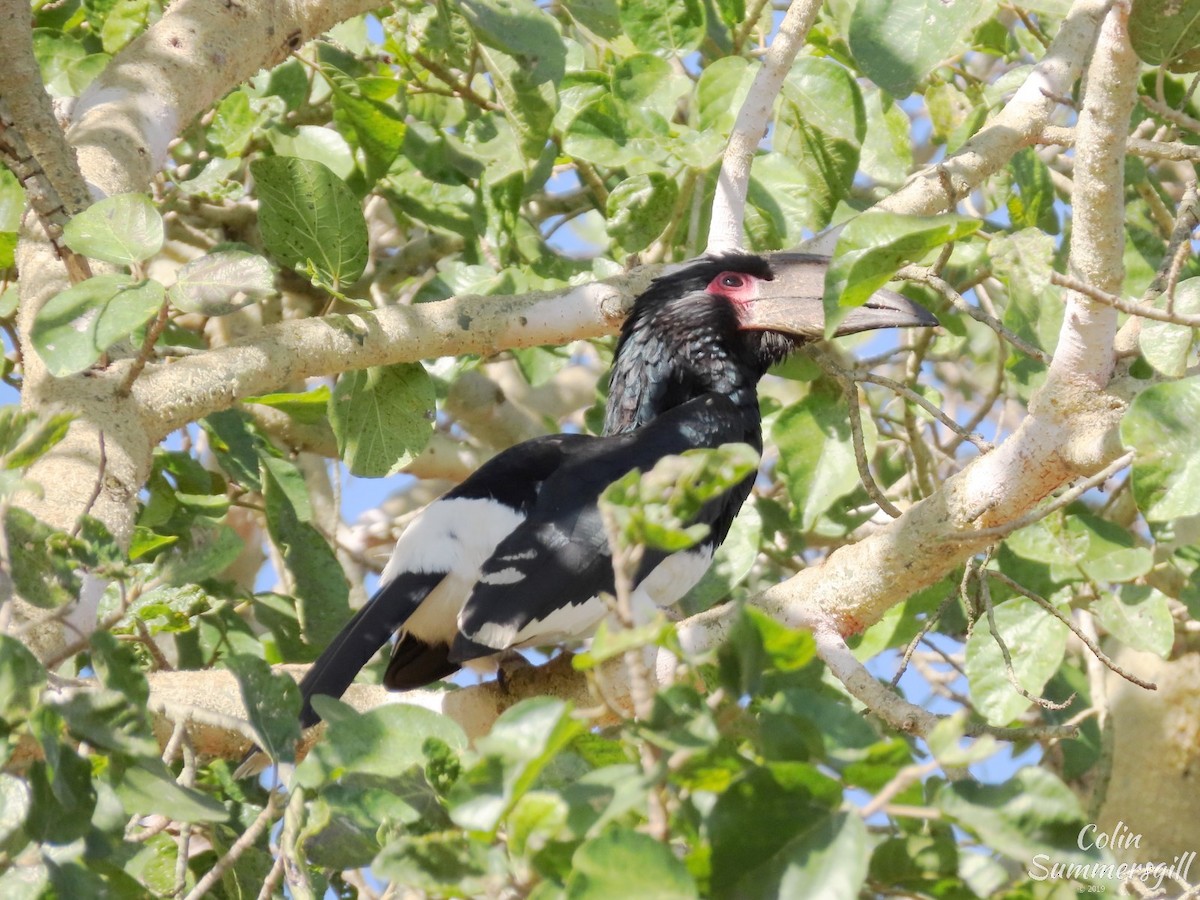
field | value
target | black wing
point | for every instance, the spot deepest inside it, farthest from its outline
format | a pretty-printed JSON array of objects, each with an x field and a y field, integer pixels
[
  {"x": 543, "y": 579},
  {"x": 450, "y": 537}
]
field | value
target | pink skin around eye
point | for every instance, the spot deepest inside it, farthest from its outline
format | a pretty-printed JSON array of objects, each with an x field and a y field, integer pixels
[{"x": 737, "y": 287}]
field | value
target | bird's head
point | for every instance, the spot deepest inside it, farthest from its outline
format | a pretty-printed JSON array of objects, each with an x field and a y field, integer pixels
[
  {"x": 773, "y": 301},
  {"x": 718, "y": 323}
]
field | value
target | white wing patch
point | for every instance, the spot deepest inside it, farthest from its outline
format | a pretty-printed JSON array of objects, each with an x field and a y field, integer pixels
[
  {"x": 454, "y": 536},
  {"x": 676, "y": 575},
  {"x": 664, "y": 586},
  {"x": 504, "y": 576}
]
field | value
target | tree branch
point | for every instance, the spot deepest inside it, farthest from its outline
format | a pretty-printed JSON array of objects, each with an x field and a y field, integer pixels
[
  {"x": 169, "y": 395},
  {"x": 1017, "y": 125},
  {"x": 729, "y": 204}
]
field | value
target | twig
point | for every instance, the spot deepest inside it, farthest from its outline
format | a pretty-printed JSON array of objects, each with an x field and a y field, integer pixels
[
  {"x": 1174, "y": 116},
  {"x": 1134, "y": 309},
  {"x": 909, "y": 394},
  {"x": 917, "y": 273},
  {"x": 985, "y": 595},
  {"x": 901, "y": 781},
  {"x": 850, "y": 388},
  {"x": 742, "y": 33},
  {"x": 1088, "y": 642},
  {"x": 274, "y": 877},
  {"x": 153, "y": 333},
  {"x": 101, "y": 465},
  {"x": 244, "y": 842},
  {"x": 293, "y": 866},
  {"x": 733, "y": 182},
  {"x": 926, "y": 626}
]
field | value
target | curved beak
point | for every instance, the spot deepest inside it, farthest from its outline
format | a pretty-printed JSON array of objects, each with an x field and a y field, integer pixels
[{"x": 791, "y": 303}]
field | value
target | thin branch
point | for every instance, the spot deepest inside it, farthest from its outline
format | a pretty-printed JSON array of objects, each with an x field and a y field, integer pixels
[
  {"x": 1172, "y": 115},
  {"x": 456, "y": 85},
  {"x": 153, "y": 333},
  {"x": 1188, "y": 320},
  {"x": 909, "y": 394},
  {"x": 1088, "y": 642},
  {"x": 44, "y": 198},
  {"x": 101, "y": 475},
  {"x": 985, "y": 595},
  {"x": 924, "y": 276},
  {"x": 850, "y": 389},
  {"x": 733, "y": 182},
  {"x": 244, "y": 842}
]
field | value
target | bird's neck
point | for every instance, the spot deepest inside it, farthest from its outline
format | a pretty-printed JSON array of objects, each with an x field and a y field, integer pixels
[{"x": 666, "y": 358}]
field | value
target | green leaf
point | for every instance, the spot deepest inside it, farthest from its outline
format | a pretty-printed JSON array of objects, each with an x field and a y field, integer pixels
[
  {"x": 1163, "y": 426},
  {"x": 627, "y": 864},
  {"x": 1138, "y": 615},
  {"x": 601, "y": 134},
  {"x": 522, "y": 742},
  {"x": 20, "y": 444},
  {"x": 122, "y": 229},
  {"x": 816, "y": 453},
  {"x": 720, "y": 92},
  {"x": 1165, "y": 346},
  {"x": 377, "y": 128},
  {"x": 21, "y": 679},
  {"x": 382, "y": 417},
  {"x": 820, "y": 129},
  {"x": 55, "y": 53},
  {"x": 222, "y": 282},
  {"x": 233, "y": 123},
  {"x": 310, "y": 219},
  {"x": 874, "y": 245},
  {"x": 237, "y": 445},
  {"x": 272, "y": 702},
  {"x": 828, "y": 858},
  {"x": 42, "y": 574},
  {"x": 898, "y": 42},
  {"x": 676, "y": 26},
  {"x": 640, "y": 208},
  {"x": 148, "y": 789},
  {"x": 319, "y": 145},
  {"x": 75, "y": 327},
  {"x": 597, "y": 16},
  {"x": 516, "y": 27},
  {"x": 756, "y": 818},
  {"x": 1032, "y": 205},
  {"x": 442, "y": 864},
  {"x": 1030, "y": 814},
  {"x": 731, "y": 563},
  {"x": 384, "y": 742},
  {"x": 647, "y": 82},
  {"x": 887, "y": 148},
  {"x": 307, "y": 408},
  {"x": 1167, "y": 32},
  {"x": 127, "y": 19},
  {"x": 322, "y": 595},
  {"x": 1036, "y": 642}
]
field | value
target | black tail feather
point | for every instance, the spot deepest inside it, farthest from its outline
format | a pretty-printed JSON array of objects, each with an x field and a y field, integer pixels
[
  {"x": 362, "y": 637},
  {"x": 415, "y": 664}
]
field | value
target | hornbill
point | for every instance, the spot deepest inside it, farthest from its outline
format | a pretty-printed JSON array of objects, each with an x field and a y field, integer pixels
[{"x": 516, "y": 555}]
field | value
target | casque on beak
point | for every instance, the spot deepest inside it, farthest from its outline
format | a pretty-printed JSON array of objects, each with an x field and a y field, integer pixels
[{"x": 791, "y": 303}]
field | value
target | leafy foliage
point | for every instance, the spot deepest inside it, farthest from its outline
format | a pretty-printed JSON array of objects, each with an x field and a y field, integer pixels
[{"x": 498, "y": 147}]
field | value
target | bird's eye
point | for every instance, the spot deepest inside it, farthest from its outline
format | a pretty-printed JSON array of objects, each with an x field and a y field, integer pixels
[{"x": 732, "y": 281}]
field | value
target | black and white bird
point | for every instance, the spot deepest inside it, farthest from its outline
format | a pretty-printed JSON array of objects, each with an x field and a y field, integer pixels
[{"x": 516, "y": 555}]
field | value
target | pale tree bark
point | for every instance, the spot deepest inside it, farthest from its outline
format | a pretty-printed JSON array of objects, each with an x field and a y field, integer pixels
[
  {"x": 857, "y": 584},
  {"x": 121, "y": 130}
]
